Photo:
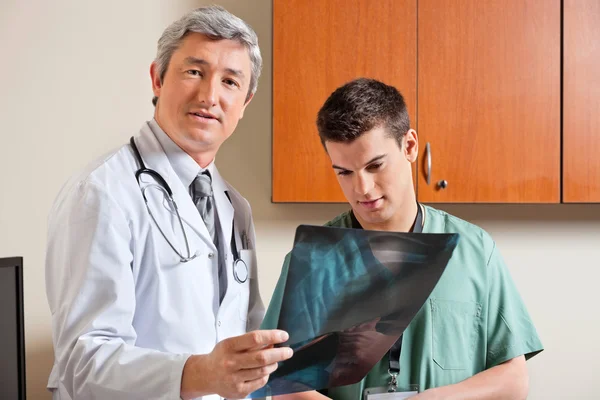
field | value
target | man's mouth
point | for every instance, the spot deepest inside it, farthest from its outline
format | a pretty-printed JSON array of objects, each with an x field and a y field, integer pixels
[
  {"x": 371, "y": 203},
  {"x": 204, "y": 116}
]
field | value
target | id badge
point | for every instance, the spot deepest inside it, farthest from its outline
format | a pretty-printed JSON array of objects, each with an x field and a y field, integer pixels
[{"x": 383, "y": 393}]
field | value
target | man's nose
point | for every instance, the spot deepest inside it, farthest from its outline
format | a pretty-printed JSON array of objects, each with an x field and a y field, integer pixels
[
  {"x": 363, "y": 183},
  {"x": 208, "y": 92}
]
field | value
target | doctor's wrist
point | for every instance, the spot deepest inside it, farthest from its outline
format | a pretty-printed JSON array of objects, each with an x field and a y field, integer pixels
[{"x": 194, "y": 382}]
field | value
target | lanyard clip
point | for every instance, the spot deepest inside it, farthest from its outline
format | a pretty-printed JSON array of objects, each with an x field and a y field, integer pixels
[{"x": 393, "y": 385}]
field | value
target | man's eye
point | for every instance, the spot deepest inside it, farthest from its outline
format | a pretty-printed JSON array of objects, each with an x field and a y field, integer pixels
[
  {"x": 344, "y": 173},
  {"x": 194, "y": 72},
  {"x": 374, "y": 166},
  {"x": 231, "y": 82}
]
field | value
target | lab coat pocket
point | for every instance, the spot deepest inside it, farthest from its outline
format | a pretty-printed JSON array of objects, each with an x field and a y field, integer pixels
[
  {"x": 249, "y": 258},
  {"x": 455, "y": 332}
]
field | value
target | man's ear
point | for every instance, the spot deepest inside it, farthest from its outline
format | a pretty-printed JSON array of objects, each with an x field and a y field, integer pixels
[
  {"x": 155, "y": 77},
  {"x": 246, "y": 105},
  {"x": 411, "y": 145}
]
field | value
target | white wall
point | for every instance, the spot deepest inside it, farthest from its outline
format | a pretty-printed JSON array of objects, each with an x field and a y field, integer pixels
[{"x": 74, "y": 83}]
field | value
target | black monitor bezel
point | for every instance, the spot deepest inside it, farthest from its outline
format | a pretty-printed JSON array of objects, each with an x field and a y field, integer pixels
[{"x": 17, "y": 264}]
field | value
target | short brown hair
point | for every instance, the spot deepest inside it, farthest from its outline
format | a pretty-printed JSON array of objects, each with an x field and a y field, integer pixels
[{"x": 360, "y": 106}]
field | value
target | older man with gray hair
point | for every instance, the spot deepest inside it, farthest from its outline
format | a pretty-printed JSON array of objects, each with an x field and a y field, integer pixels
[{"x": 151, "y": 260}]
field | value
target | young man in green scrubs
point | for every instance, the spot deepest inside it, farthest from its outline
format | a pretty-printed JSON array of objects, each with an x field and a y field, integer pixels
[{"x": 472, "y": 337}]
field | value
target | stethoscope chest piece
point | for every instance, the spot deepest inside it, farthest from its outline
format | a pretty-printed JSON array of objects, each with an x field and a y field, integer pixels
[{"x": 240, "y": 270}]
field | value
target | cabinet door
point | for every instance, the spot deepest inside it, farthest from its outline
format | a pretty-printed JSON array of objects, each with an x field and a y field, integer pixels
[
  {"x": 489, "y": 101},
  {"x": 581, "y": 101},
  {"x": 318, "y": 46}
]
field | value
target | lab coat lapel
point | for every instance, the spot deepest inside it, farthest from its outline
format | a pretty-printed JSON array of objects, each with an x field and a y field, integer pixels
[
  {"x": 155, "y": 158},
  {"x": 225, "y": 209},
  {"x": 226, "y": 212}
]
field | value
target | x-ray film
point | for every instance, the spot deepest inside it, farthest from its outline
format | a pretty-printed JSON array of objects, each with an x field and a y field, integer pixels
[{"x": 349, "y": 295}]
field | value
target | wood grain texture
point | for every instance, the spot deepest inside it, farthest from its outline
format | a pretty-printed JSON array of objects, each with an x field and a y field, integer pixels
[
  {"x": 581, "y": 101},
  {"x": 317, "y": 47},
  {"x": 489, "y": 100}
]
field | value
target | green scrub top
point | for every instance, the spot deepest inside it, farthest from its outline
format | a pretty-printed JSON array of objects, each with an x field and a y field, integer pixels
[{"x": 473, "y": 320}]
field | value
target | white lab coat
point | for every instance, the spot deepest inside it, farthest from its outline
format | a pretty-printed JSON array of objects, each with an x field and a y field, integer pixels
[{"x": 126, "y": 313}]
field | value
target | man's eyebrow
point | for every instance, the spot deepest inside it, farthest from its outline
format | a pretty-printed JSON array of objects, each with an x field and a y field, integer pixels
[
  {"x": 199, "y": 61},
  {"x": 195, "y": 61},
  {"x": 337, "y": 167},
  {"x": 236, "y": 72},
  {"x": 376, "y": 158},
  {"x": 371, "y": 161}
]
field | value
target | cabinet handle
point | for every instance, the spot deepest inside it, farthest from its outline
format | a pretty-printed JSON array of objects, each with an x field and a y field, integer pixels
[{"x": 428, "y": 151}]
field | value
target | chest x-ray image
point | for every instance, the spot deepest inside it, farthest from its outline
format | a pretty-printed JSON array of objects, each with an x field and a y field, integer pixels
[{"x": 349, "y": 295}]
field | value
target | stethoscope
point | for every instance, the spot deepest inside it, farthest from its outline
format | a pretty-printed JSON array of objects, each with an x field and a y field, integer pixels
[{"x": 240, "y": 268}]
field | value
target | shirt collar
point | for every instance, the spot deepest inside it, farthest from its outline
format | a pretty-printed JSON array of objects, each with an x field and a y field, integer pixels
[{"x": 183, "y": 164}]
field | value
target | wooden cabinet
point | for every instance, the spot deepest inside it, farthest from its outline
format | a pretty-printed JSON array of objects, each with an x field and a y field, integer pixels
[
  {"x": 317, "y": 47},
  {"x": 482, "y": 81},
  {"x": 581, "y": 101},
  {"x": 489, "y": 101}
]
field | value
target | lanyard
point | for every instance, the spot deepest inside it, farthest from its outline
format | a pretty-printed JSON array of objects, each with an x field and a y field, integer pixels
[{"x": 394, "y": 356}]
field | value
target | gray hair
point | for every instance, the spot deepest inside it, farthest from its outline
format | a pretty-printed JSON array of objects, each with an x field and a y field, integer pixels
[{"x": 216, "y": 23}]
